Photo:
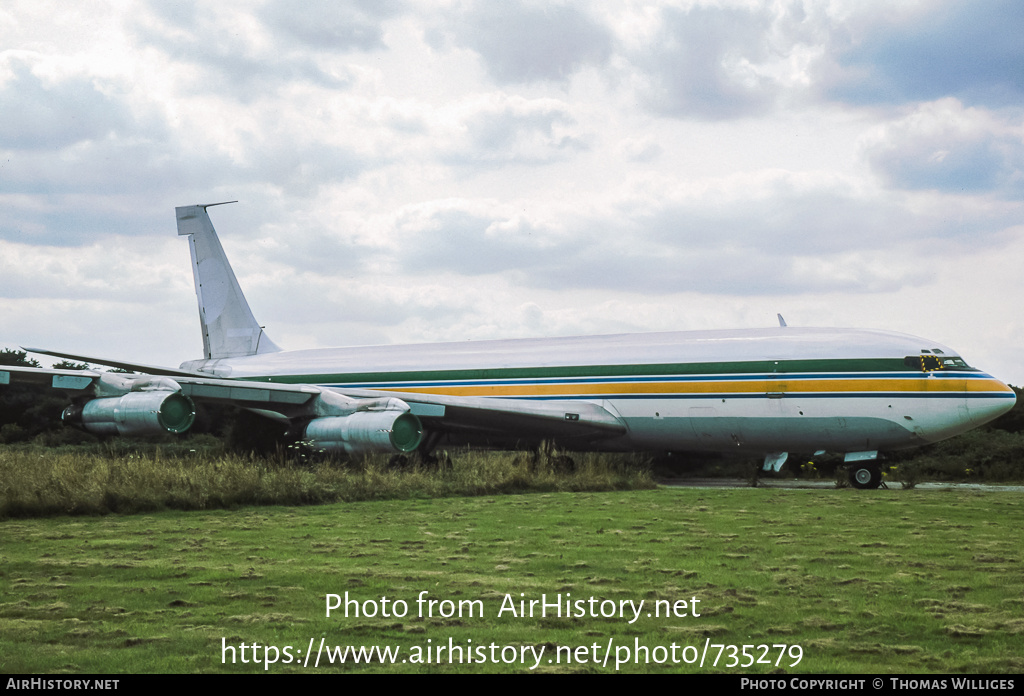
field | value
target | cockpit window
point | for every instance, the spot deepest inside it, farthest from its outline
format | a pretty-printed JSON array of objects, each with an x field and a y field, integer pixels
[{"x": 930, "y": 363}]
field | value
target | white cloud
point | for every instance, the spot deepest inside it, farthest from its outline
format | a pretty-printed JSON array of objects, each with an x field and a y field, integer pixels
[
  {"x": 439, "y": 171},
  {"x": 923, "y": 51},
  {"x": 498, "y": 129},
  {"x": 704, "y": 63},
  {"x": 943, "y": 145},
  {"x": 43, "y": 113},
  {"x": 521, "y": 41},
  {"x": 332, "y": 26}
]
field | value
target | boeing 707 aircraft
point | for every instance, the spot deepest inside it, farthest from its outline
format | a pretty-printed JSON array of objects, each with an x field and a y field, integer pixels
[{"x": 764, "y": 392}]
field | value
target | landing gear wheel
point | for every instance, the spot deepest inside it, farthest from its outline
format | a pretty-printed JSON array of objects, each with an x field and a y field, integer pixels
[{"x": 864, "y": 476}]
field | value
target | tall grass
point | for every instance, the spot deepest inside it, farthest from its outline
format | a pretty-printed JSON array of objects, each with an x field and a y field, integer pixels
[{"x": 68, "y": 481}]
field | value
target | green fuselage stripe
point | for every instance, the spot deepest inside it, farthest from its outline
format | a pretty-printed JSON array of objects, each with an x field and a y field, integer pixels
[{"x": 601, "y": 371}]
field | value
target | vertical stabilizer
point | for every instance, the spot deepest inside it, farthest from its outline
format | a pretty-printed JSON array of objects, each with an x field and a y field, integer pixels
[{"x": 229, "y": 328}]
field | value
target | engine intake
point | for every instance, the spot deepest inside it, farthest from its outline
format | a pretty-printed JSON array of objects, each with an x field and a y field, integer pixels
[
  {"x": 135, "y": 413},
  {"x": 366, "y": 432}
]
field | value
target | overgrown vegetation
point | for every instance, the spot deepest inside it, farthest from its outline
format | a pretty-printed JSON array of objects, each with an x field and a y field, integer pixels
[
  {"x": 101, "y": 479},
  {"x": 987, "y": 455}
]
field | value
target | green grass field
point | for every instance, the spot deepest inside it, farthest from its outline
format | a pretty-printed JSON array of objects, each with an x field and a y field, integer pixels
[{"x": 862, "y": 581}]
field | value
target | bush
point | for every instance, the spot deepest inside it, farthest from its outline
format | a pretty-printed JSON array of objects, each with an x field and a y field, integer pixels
[{"x": 989, "y": 455}]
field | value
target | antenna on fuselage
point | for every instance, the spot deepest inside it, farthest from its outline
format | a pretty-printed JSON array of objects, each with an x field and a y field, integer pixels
[{"x": 782, "y": 322}]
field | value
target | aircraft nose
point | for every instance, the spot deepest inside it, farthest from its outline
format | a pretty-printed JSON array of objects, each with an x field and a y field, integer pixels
[{"x": 997, "y": 400}]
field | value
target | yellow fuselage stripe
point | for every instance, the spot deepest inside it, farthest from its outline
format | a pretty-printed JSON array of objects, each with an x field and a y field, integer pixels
[{"x": 837, "y": 386}]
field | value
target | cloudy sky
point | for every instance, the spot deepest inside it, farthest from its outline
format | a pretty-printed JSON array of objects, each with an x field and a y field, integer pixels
[{"x": 420, "y": 170}]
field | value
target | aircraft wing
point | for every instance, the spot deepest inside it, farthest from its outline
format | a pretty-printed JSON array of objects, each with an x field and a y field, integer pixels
[
  {"x": 578, "y": 420},
  {"x": 116, "y": 403},
  {"x": 134, "y": 367},
  {"x": 106, "y": 384},
  {"x": 499, "y": 417},
  {"x": 68, "y": 380}
]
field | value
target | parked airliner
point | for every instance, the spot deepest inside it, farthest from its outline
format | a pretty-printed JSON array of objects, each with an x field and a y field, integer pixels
[{"x": 763, "y": 391}]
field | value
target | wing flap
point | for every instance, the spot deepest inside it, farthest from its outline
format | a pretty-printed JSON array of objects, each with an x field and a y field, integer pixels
[
  {"x": 247, "y": 394},
  {"x": 68, "y": 380}
]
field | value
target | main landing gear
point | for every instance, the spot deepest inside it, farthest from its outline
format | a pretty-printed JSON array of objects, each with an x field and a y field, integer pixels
[
  {"x": 864, "y": 469},
  {"x": 865, "y": 475}
]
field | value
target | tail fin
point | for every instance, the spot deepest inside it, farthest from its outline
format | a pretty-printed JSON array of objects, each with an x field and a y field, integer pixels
[{"x": 229, "y": 328}]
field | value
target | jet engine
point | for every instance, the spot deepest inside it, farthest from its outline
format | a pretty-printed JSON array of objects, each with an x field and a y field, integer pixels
[
  {"x": 135, "y": 413},
  {"x": 365, "y": 432}
]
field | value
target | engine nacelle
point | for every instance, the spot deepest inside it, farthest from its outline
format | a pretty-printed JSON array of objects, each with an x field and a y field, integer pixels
[
  {"x": 366, "y": 432},
  {"x": 135, "y": 413}
]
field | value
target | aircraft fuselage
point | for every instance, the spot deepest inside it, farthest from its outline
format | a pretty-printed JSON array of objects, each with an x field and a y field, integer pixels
[{"x": 756, "y": 391}]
